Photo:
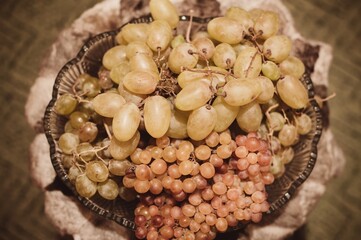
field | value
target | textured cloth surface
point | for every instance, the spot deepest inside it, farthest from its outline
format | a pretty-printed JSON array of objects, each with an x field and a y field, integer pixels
[{"x": 337, "y": 215}]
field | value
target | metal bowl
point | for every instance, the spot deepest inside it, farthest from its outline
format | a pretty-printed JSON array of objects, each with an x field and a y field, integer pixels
[{"x": 89, "y": 60}]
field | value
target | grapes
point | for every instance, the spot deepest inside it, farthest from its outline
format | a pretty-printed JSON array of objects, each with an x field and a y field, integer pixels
[
  {"x": 224, "y": 29},
  {"x": 135, "y": 32},
  {"x": 84, "y": 186},
  {"x": 121, "y": 150},
  {"x": 277, "y": 48},
  {"x": 165, "y": 10},
  {"x": 157, "y": 115},
  {"x": 292, "y": 66},
  {"x": 292, "y": 92},
  {"x": 178, "y": 124},
  {"x": 88, "y": 132},
  {"x": 159, "y": 35},
  {"x": 201, "y": 122},
  {"x": 205, "y": 47},
  {"x": 248, "y": 63},
  {"x": 266, "y": 24},
  {"x": 140, "y": 81},
  {"x": 97, "y": 171},
  {"x": 163, "y": 121},
  {"x": 271, "y": 70},
  {"x": 108, "y": 189},
  {"x": 68, "y": 142},
  {"x": 304, "y": 124},
  {"x": 143, "y": 62},
  {"x": 249, "y": 117},
  {"x": 126, "y": 121},
  {"x": 107, "y": 104},
  {"x": 114, "y": 56},
  {"x": 241, "y": 16},
  {"x": 183, "y": 56},
  {"x": 193, "y": 96},
  {"x": 224, "y": 56},
  {"x": 65, "y": 104}
]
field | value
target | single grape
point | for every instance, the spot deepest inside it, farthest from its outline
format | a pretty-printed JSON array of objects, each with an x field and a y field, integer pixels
[
  {"x": 143, "y": 62},
  {"x": 157, "y": 115},
  {"x": 68, "y": 142},
  {"x": 221, "y": 224},
  {"x": 292, "y": 66},
  {"x": 225, "y": 30},
  {"x": 303, "y": 124},
  {"x": 178, "y": 124},
  {"x": 135, "y": 32},
  {"x": 177, "y": 40},
  {"x": 205, "y": 47},
  {"x": 126, "y": 121},
  {"x": 275, "y": 121},
  {"x": 141, "y": 82},
  {"x": 84, "y": 186},
  {"x": 271, "y": 70},
  {"x": 114, "y": 56},
  {"x": 88, "y": 132},
  {"x": 156, "y": 186},
  {"x": 266, "y": 24},
  {"x": 108, "y": 189},
  {"x": 183, "y": 56},
  {"x": 189, "y": 185},
  {"x": 226, "y": 114},
  {"x": 160, "y": 35},
  {"x": 121, "y": 150},
  {"x": 241, "y": 92},
  {"x": 138, "y": 47},
  {"x": 164, "y": 10},
  {"x": 186, "y": 167},
  {"x": 288, "y": 135},
  {"x": 202, "y": 152},
  {"x": 249, "y": 117},
  {"x": 267, "y": 89},
  {"x": 277, "y": 48},
  {"x": 224, "y": 56},
  {"x": 193, "y": 96},
  {"x": 141, "y": 186},
  {"x": 158, "y": 166},
  {"x": 201, "y": 122},
  {"x": 78, "y": 119},
  {"x": 73, "y": 173},
  {"x": 119, "y": 167},
  {"x": 212, "y": 139},
  {"x": 97, "y": 171},
  {"x": 207, "y": 170},
  {"x": 186, "y": 77},
  {"x": 65, "y": 104}
]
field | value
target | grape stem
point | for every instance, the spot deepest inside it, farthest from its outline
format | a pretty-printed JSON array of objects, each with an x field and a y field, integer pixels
[
  {"x": 107, "y": 130},
  {"x": 321, "y": 100},
  {"x": 209, "y": 72},
  {"x": 253, "y": 38},
  {"x": 189, "y": 28},
  {"x": 95, "y": 151},
  {"x": 271, "y": 130}
]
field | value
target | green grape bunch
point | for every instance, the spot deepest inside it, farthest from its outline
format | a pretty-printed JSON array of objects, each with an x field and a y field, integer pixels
[{"x": 193, "y": 125}]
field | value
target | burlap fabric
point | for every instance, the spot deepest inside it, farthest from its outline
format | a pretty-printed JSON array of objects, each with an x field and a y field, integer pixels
[{"x": 67, "y": 214}]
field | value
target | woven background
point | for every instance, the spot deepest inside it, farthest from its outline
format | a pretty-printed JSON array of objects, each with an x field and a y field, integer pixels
[{"x": 28, "y": 28}]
